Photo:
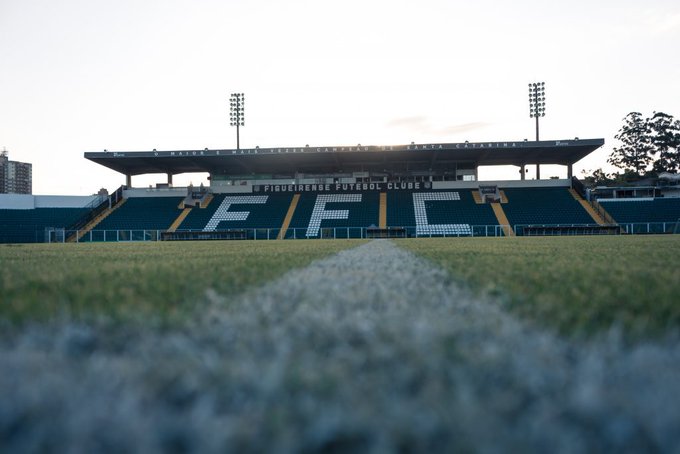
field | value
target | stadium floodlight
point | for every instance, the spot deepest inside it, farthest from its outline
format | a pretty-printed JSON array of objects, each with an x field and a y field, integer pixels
[
  {"x": 237, "y": 113},
  {"x": 537, "y": 102}
]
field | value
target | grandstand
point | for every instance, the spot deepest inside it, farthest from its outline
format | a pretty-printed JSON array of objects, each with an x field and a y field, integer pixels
[
  {"x": 440, "y": 213},
  {"x": 645, "y": 215},
  {"x": 31, "y": 226},
  {"x": 143, "y": 213},
  {"x": 340, "y": 192},
  {"x": 239, "y": 212},
  {"x": 37, "y": 219},
  {"x": 544, "y": 207},
  {"x": 342, "y": 215}
]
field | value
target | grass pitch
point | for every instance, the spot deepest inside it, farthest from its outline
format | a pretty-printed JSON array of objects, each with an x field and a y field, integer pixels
[
  {"x": 580, "y": 285},
  {"x": 215, "y": 347},
  {"x": 150, "y": 282}
]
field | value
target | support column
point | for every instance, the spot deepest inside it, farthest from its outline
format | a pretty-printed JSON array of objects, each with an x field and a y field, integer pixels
[
  {"x": 128, "y": 180},
  {"x": 570, "y": 171},
  {"x": 522, "y": 172},
  {"x": 538, "y": 171},
  {"x": 169, "y": 179}
]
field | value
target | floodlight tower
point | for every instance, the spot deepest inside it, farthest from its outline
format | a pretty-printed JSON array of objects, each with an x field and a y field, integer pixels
[
  {"x": 237, "y": 113},
  {"x": 537, "y": 102}
]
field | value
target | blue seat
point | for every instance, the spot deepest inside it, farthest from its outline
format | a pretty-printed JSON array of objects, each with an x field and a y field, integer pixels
[
  {"x": 544, "y": 206},
  {"x": 143, "y": 213},
  {"x": 643, "y": 211},
  {"x": 28, "y": 226},
  {"x": 342, "y": 215},
  {"x": 241, "y": 211}
]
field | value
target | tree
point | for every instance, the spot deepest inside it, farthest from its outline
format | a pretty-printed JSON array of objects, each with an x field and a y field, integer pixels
[
  {"x": 597, "y": 177},
  {"x": 637, "y": 150},
  {"x": 665, "y": 138}
]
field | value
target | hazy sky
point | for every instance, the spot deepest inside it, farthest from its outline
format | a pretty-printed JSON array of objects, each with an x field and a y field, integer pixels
[{"x": 85, "y": 75}]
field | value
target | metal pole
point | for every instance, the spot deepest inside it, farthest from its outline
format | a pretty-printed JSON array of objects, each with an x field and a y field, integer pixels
[{"x": 536, "y": 128}]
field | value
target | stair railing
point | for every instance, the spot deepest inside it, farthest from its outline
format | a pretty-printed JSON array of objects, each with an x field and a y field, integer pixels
[{"x": 97, "y": 207}]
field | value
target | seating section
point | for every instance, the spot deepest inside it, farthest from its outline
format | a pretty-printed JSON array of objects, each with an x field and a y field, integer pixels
[
  {"x": 400, "y": 209},
  {"x": 143, "y": 213},
  {"x": 247, "y": 211},
  {"x": 342, "y": 215},
  {"x": 28, "y": 226},
  {"x": 446, "y": 212},
  {"x": 544, "y": 206},
  {"x": 317, "y": 214},
  {"x": 643, "y": 211}
]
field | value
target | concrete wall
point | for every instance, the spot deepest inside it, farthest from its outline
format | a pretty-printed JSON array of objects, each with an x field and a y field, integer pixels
[
  {"x": 156, "y": 192},
  {"x": 29, "y": 202},
  {"x": 502, "y": 184},
  {"x": 229, "y": 189},
  {"x": 64, "y": 201},
  {"x": 221, "y": 189}
]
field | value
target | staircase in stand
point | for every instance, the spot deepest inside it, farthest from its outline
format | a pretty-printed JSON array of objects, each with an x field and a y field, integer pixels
[
  {"x": 93, "y": 223},
  {"x": 182, "y": 216},
  {"x": 382, "y": 214},
  {"x": 502, "y": 219},
  {"x": 589, "y": 209},
  {"x": 206, "y": 201},
  {"x": 289, "y": 217}
]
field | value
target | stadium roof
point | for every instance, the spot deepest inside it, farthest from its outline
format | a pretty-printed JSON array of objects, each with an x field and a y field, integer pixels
[{"x": 338, "y": 159}]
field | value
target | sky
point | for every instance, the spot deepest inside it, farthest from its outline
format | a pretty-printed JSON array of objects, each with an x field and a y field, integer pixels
[{"x": 134, "y": 75}]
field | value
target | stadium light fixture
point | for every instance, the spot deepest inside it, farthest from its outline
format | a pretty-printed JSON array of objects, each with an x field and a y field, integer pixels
[
  {"x": 237, "y": 113},
  {"x": 537, "y": 102}
]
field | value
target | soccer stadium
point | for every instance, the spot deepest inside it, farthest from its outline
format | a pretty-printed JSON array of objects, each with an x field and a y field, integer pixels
[
  {"x": 417, "y": 190},
  {"x": 395, "y": 253},
  {"x": 421, "y": 310}
]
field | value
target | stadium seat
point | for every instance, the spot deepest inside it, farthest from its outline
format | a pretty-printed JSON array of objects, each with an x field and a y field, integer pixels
[
  {"x": 631, "y": 210},
  {"x": 28, "y": 226},
  {"x": 661, "y": 215},
  {"x": 334, "y": 215},
  {"x": 247, "y": 211},
  {"x": 445, "y": 212},
  {"x": 143, "y": 213},
  {"x": 343, "y": 215},
  {"x": 544, "y": 206}
]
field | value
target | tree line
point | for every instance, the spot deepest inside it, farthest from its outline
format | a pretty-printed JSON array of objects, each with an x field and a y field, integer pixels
[{"x": 649, "y": 146}]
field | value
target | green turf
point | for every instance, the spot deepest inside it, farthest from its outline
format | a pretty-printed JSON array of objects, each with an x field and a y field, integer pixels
[
  {"x": 151, "y": 282},
  {"x": 579, "y": 285}
]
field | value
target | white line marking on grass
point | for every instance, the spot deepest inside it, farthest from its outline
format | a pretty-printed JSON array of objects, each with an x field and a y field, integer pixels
[
  {"x": 460, "y": 364},
  {"x": 372, "y": 350}
]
